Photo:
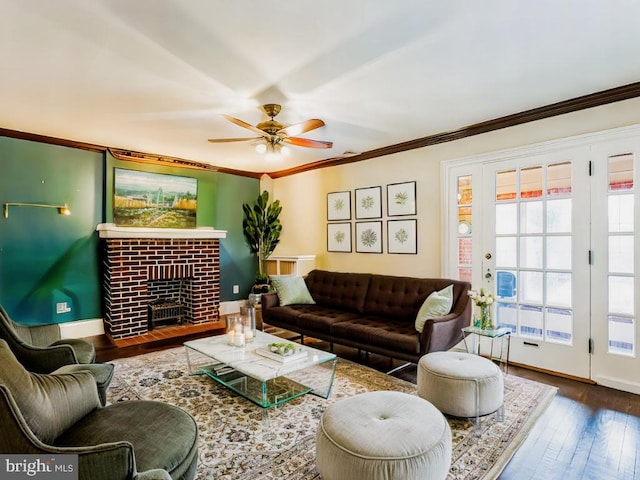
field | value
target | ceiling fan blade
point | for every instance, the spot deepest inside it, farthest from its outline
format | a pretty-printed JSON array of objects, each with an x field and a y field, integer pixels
[
  {"x": 302, "y": 127},
  {"x": 224, "y": 140},
  {"x": 304, "y": 142},
  {"x": 246, "y": 125}
]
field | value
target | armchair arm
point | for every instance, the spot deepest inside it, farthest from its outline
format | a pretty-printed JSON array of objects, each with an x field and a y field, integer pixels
[
  {"x": 44, "y": 359},
  {"x": 42, "y": 335}
]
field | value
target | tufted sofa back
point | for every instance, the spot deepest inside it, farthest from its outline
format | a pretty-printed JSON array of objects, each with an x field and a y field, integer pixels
[
  {"x": 402, "y": 297},
  {"x": 344, "y": 291},
  {"x": 380, "y": 295}
]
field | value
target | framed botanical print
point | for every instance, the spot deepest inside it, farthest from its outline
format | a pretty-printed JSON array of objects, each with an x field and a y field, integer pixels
[
  {"x": 369, "y": 237},
  {"x": 339, "y": 237},
  {"x": 401, "y": 199},
  {"x": 369, "y": 202},
  {"x": 402, "y": 236},
  {"x": 339, "y": 206}
]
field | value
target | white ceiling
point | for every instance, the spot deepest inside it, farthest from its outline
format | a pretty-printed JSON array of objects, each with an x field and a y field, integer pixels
[{"x": 155, "y": 75}]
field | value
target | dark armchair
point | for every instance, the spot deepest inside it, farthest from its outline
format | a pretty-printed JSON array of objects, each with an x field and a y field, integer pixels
[
  {"x": 40, "y": 349},
  {"x": 61, "y": 414}
]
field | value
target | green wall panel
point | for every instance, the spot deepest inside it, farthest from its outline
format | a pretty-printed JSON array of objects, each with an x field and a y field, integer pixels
[
  {"x": 238, "y": 265},
  {"x": 47, "y": 258}
]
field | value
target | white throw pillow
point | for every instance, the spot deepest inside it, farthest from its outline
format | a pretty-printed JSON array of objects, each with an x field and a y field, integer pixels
[
  {"x": 291, "y": 290},
  {"x": 437, "y": 304}
]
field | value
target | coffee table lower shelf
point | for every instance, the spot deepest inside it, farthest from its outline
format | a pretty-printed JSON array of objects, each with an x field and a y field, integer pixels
[{"x": 267, "y": 394}]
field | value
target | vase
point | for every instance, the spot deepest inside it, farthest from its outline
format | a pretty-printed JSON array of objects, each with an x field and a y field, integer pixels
[{"x": 486, "y": 320}]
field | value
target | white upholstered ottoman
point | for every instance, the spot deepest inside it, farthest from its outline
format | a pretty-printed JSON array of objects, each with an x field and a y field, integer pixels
[
  {"x": 383, "y": 436},
  {"x": 460, "y": 384}
]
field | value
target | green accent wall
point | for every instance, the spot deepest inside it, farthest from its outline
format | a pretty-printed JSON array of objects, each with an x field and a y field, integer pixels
[
  {"x": 47, "y": 258},
  {"x": 238, "y": 266}
]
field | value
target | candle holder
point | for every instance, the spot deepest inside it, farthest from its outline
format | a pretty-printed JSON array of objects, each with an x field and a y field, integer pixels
[
  {"x": 235, "y": 331},
  {"x": 248, "y": 315}
]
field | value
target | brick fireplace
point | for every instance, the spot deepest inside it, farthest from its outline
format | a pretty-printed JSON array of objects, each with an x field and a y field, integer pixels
[{"x": 143, "y": 265}]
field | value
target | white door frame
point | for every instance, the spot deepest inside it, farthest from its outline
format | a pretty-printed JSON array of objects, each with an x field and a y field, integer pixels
[{"x": 451, "y": 169}]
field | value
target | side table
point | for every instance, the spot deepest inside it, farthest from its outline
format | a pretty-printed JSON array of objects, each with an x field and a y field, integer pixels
[{"x": 500, "y": 334}]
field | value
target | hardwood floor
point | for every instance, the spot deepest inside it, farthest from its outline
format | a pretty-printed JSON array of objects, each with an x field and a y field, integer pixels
[{"x": 588, "y": 431}]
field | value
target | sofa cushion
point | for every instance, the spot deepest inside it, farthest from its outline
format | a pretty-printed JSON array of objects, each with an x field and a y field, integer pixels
[
  {"x": 398, "y": 336},
  {"x": 49, "y": 403},
  {"x": 343, "y": 291},
  {"x": 281, "y": 316},
  {"x": 320, "y": 319},
  {"x": 437, "y": 304},
  {"x": 291, "y": 290}
]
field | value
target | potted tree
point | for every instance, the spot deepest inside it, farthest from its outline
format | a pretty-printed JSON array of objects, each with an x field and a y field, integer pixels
[{"x": 261, "y": 227}]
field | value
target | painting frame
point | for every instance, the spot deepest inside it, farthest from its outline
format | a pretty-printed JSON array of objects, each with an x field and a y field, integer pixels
[
  {"x": 339, "y": 237},
  {"x": 154, "y": 200},
  {"x": 339, "y": 205},
  {"x": 401, "y": 199},
  {"x": 368, "y": 202},
  {"x": 369, "y": 237},
  {"x": 402, "y": 236}
]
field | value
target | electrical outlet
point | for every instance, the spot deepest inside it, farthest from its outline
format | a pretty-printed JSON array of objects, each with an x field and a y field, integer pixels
[
  {"x": 236, "y": 289},
  {"x": 62, "y": 307}
]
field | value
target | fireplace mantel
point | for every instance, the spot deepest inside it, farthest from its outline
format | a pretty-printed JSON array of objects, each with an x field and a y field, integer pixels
[{"x": 110, "y": 230}]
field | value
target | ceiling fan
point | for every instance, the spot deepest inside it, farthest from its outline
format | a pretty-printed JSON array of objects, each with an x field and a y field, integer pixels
[{"x": 273, "y": 135}]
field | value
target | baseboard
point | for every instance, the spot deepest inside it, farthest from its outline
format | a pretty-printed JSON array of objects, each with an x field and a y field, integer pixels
[
  {"x": 82, "y": 328},
  {"x": 618, "y": 384},
  {"x": 227, "y": 308},
  {"x": 95, "y": 326}
]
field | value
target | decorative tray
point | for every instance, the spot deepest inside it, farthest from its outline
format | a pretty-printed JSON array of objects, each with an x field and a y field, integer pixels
[{"x": 281, "y": 352}]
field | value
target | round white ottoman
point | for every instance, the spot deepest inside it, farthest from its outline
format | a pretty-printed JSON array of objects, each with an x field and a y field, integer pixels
[
  {"x": 383, "y": 436},
  {"x": 460, "y": 384}
]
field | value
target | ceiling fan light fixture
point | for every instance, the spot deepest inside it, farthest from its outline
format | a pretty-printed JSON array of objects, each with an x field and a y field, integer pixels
[
  {"x": 273, "y": 152},
  {"x": 285, "y": 151},
  {"x": 261, "y": 147}
]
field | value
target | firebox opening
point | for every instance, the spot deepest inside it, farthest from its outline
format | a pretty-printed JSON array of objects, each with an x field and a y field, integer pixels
[{"x": 169, "y": 302}]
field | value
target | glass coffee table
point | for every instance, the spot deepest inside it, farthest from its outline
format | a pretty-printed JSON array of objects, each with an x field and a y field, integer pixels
[{"x": 264, "y": 381}]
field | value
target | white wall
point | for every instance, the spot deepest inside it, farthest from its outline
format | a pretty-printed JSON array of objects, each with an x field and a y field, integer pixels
[{"x": 304, "y": 196}]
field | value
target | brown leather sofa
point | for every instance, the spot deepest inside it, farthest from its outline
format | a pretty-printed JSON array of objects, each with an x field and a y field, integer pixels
[{"x": 374, "y": 313}]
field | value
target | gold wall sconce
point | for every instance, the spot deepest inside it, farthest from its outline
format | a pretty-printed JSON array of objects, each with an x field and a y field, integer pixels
[{"x": 62, "y": 209}]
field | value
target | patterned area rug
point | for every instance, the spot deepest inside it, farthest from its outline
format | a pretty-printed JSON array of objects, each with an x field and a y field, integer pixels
[{"x": 236, "y": 442}]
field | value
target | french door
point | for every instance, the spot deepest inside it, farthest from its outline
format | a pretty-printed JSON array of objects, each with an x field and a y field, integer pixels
[
  {"x": 535, "y": 250},
  {"x": 552, "y": 233},
  {"x": 615, "y": 293}
]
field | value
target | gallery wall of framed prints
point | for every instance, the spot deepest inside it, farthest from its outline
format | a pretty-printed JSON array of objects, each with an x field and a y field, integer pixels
[{"x": 367, "y": 231}]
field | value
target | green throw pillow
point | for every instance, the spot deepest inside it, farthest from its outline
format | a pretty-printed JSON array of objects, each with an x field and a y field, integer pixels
[
  {"x": 291, "y": 290},
  {"x": 437, "y": 304}
]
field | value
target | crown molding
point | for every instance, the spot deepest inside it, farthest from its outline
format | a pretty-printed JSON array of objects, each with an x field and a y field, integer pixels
[{"x": 597, "y": 99}]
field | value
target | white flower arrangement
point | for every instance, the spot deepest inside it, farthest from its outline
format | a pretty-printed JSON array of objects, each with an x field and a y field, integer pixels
[{"x": 481, "y": 297}]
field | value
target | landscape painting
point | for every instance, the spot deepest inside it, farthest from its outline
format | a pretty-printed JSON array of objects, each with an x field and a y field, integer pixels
[{"x": 144, "y": 199}]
